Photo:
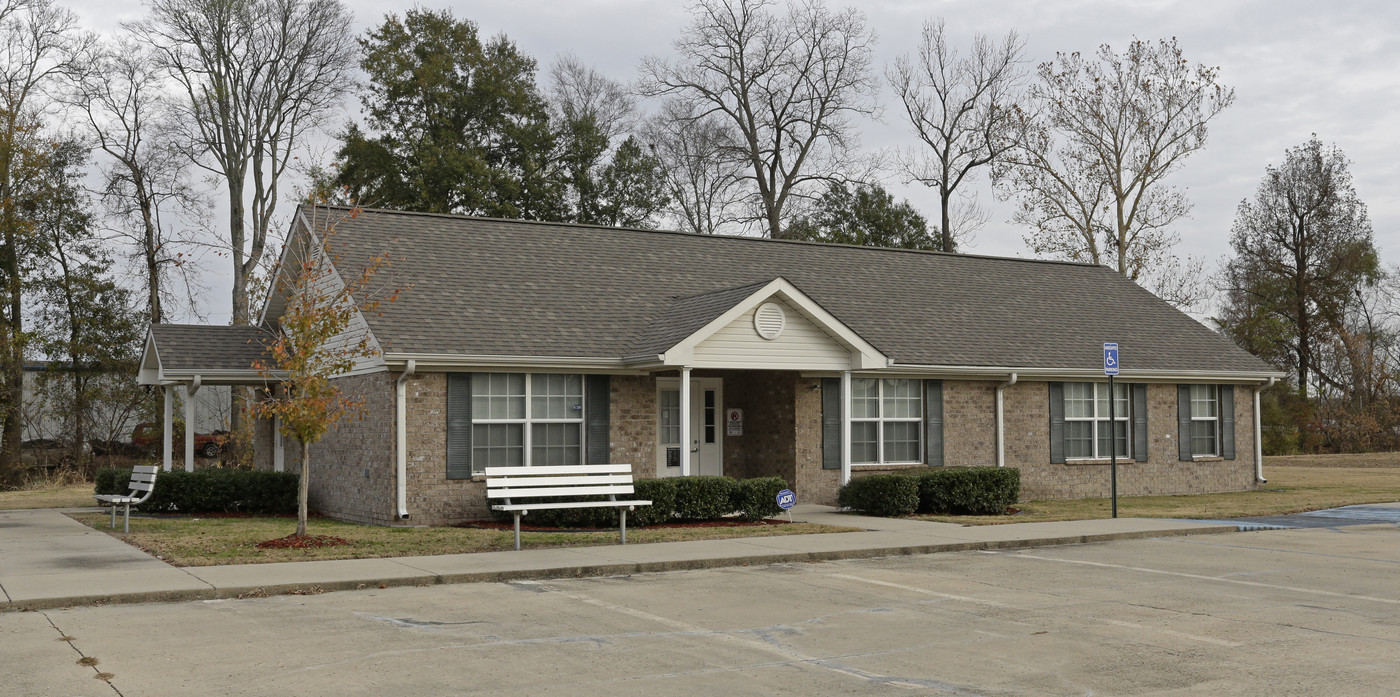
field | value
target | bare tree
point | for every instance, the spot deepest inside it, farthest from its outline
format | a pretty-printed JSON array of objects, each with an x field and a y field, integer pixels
[
  {"x": 131, "y": 115},
  {"x": 1097, "y": 140},
  {"x": 961, "y": 107},
  {"x": 40, "y": 47},
  {"x": 791, "y": 81},
  {"x": 578, "y": 91},
  {"x": 257, "y": 75},
  {"x": 703, "y": 174}
]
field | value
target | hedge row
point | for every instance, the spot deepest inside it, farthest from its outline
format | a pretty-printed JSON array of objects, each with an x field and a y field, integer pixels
[
  {"x": 957, "y": 490},
  {"x": 675, "y": 499},
  {"x": 209, "y": 490}
]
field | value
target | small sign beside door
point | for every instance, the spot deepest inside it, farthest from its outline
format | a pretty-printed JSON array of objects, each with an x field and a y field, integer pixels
[{"x": 734, "y": 422}]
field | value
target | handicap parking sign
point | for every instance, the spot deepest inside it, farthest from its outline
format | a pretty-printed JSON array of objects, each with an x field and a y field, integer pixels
[
  {"x": 1110, "y": 359},
  {"x": 786, "y": 499}
]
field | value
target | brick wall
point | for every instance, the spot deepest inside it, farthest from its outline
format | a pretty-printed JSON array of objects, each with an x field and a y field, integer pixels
[
  {"x": 814, "y": 484},
  {"x": 766, "y": 447},
  {"x": 352, "y": 466},
  {"x": 632, "y": 421},
  {"x": 969, "y": 423}
]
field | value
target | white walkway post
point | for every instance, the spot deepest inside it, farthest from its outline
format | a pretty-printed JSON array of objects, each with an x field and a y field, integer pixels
[
  {"x": 189, "y": 428},
  {"x": 167, "y": 429},
  {"x": 845, "y": 427},
  {"x": 685, "y": 422}
]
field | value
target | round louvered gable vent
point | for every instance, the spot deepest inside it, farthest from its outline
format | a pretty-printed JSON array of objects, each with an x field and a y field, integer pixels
[{"x": 769, "y": 320}]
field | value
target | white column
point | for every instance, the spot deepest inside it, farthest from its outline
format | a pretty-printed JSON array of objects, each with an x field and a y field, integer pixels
[
  {"x": 189, "y": 428},
  {"x": 685, "y": 422},
  {"x": 1258, "y": 439},
  {"x": 167, "y": 430},
  {"x": 845, "y": 426},
  {"x": 279, "y": 454}
]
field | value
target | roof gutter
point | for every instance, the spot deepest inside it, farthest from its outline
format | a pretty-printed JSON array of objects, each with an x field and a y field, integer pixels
[
  {"x": 990, "y": 372},
  {"x": 1259, "y": 433},
  {"x": 401, "y": 439},
  {"x": 1001, "y": 421}
]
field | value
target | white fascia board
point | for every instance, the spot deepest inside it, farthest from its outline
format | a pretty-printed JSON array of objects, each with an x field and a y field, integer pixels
[
  {"x": 683, "y": 353},
  {"x": 426, "y": 362},
  {"x": 145, "y": 375},
  {"x": 963, "y": 372},
  {"x": 217, "y": 377}
]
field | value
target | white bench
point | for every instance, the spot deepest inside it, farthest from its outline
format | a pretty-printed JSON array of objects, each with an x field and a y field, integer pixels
[
  {"x": 516, "y": 484},
  {"x": 143, "y": 478}
]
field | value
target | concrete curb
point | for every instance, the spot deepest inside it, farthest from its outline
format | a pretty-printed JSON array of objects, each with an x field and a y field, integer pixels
[{"x": 592, "y": 570}]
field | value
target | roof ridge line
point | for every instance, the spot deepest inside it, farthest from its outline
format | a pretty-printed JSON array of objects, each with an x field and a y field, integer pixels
[{"x": 739, "y": 238}]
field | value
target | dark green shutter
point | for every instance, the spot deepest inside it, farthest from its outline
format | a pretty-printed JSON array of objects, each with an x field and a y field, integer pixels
[
  {"x": 459, "y": 425},
  {"x": 597, "y": 418},
  {"x": 1140, "y": 422},
  {"x": 831, "y": 423},
  {"x": 1057, "y": 423},
  {"x": 1183, "y": 421},
  {"x": 1227, "y": 422},
  {"x": 933, "y": 422}
]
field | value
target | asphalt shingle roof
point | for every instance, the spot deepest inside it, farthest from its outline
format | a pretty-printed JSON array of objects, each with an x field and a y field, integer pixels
[
  {"x": 200, "y": 347},
  {"x": 517, "y": 288}
]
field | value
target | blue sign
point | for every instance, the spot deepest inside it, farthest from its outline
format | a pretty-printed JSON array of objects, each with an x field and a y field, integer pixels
[
  {"x": 786, "y": 499},
  {"x": 1110, "y": 359}
]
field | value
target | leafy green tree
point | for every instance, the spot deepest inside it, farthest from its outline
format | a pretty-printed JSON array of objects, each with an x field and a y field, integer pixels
[
  {"x": 865, "y": 215},
  {"x": 456, "y": 125},
  {"x": 1303, "y": 253}
]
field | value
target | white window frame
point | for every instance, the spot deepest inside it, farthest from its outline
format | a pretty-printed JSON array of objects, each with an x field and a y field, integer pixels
[
  {"x": 1191, "y": 404},
  {"x": 880, "y": 420},
  {"x": 1096, "y": 419},
  {"x": 529, "y": 421}
]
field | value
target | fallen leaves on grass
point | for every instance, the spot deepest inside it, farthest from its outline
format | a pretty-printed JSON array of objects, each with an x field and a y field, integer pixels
[{"x": 303, "y": 542}]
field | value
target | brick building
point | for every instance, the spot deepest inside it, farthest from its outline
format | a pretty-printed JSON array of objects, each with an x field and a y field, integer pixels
[{"x": 524, "y": 343}]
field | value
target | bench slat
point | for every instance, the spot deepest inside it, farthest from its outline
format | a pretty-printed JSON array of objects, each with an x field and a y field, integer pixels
[
  {"x": 614, "y": 489},
  {"x": 573, "y": 504},
  {"x": 146, "y": 469},
  {"x": 142, "y": 477},
  {"x": 141, "y": 486},
  {"x": 557, "y": 469},
  {"x": 592, "y": 479}
]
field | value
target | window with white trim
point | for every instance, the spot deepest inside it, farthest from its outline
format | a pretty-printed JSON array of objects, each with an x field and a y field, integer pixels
[
  {"x": 887, "y": 417},
  {"x": 526, "y": 419},
  {"x": 1087, "y": 430},
  {"x": 1205, "y": 420}
]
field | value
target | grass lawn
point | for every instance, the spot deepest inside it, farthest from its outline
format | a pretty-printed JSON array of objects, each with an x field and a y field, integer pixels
[
  {"x": 69, "y": 496},
  {"x": 196, "y": 541},
  {"x": 1306, "y": 483}
]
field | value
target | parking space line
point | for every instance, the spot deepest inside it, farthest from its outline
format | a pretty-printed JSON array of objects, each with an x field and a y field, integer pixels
[
  {"x": 1172, "y": 632},
  {"x": 1200, "y": 577},
  {"x": 922, "y": 591}
]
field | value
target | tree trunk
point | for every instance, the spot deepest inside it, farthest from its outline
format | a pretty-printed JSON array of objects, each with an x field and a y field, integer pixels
[
  {"x": 301, "y": 487},
  {"x": 238, "y": 396},
  {"x": 12, "y": 360},
  {"x": 947, "y": 229}
]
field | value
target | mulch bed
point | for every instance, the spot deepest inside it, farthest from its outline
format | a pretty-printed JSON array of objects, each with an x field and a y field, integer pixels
[
  {"x": 303, "y": 542},
  {"x": 499, "y": 525}
]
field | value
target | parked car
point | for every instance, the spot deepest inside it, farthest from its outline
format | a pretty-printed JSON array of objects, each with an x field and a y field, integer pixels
[{"x": 147, "y": 435}]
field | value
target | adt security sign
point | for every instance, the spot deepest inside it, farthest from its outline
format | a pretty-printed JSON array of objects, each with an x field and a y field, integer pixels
[
  {"x": 786, "y": 499},
  {"x": 1110, "y": 359}
]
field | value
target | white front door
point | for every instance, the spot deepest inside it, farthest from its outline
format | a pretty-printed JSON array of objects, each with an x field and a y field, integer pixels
[{"x": 706, "y": 427}]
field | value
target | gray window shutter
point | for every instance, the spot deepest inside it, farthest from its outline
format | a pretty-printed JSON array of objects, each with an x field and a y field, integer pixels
[
  {"x": 933, "y": 422},
  {"x": 1057, "y": 423},
  {"x": 1227, "y": 422},
  {"x": 459, "y": 425},
  {"x": 1140, "y": 422},
  {"x": 1183, "y": 422},
  {"x": 596, "y": 417},
  {"x": 831, "y": 423}
]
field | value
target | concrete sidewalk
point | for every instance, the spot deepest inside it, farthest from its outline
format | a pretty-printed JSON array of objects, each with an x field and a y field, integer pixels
[{"x": 50, "y": 560}]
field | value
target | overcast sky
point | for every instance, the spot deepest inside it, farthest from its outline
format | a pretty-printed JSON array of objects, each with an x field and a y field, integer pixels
[{"x": 1298, "y": 67}]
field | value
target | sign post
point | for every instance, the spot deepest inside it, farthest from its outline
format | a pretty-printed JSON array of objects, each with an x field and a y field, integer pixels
[{"x": 1110, "y": 368}]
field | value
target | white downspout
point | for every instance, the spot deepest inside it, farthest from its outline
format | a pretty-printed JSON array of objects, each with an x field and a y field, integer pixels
[
  {"x": 685, "y": 422},
  {"x": 1259, "y": 433},
  {"x": 1001, "y": 422},
  {"x": 401, "y": 438}
]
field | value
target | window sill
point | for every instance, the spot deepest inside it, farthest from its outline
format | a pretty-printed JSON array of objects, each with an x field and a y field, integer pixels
[
  {"x": 1207, "y": 458},
  {"x": 883, "y": 466},
  {"x": 1100, "y": 461}
]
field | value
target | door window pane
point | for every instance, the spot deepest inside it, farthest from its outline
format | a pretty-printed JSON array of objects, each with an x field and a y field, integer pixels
[{"x": 670, "y": 409}]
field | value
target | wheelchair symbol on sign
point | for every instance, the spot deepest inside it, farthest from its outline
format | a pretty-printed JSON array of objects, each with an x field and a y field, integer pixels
[{"x": 1110, "y": 359}]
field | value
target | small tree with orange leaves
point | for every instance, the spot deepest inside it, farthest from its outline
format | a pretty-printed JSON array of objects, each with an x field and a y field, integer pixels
[{"x": 315, "y": 340}]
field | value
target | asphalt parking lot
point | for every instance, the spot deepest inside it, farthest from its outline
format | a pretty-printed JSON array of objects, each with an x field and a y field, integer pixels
[{"x": 1277, "y": 612}]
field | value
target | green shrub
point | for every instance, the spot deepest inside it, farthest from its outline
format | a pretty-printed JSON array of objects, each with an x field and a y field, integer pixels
[
  {"x": 662, "y": 495},
  {"x": 209, "y": 491},
  {"x": 703, "y": 498},
  {"x": 968, "y": 490},
  {"x": 881, "y": 495},
  {"x": 757, "y": 499}
]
